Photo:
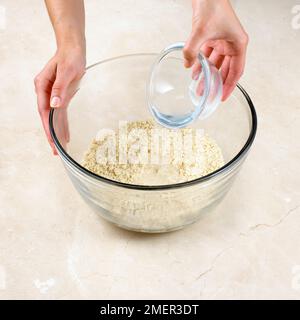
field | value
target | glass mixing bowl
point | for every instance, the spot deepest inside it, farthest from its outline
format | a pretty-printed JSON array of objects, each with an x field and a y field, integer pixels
[{"x": 114, "y": 90}]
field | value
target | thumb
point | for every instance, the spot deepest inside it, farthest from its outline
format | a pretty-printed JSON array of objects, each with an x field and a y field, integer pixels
[
  {"x": 192, "y": 48},
  {"x": 60, "y": 87}
]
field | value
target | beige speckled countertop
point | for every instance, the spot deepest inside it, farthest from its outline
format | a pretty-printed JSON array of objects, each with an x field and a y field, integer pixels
[{"x": 53, "y": 246}]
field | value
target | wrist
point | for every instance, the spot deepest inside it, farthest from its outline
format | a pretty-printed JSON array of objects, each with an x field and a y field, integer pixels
[
  {"x": 212, "y": 1},
  {"x": 71, "y": 41},
  {"x": 209, "y": 3},
  {"x": 69, "y": 35},
  {"x": 76, "y": 49}
]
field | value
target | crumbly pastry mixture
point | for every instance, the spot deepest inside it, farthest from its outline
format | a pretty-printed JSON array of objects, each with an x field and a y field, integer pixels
[{"x": 143, "y": 153}]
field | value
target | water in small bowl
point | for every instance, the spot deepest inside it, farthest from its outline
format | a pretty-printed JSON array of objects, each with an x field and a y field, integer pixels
[{"x": 178, "y": 96}]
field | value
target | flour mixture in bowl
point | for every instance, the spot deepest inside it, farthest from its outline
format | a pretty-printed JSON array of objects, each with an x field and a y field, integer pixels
[{"x": 143, "y": 153}]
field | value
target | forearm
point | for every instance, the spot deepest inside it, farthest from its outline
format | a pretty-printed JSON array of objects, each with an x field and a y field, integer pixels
[{"x": 68, "y": 20}]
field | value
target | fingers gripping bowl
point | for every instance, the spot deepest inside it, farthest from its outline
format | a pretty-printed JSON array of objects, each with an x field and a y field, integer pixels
[{"x": 114, "y": 90}]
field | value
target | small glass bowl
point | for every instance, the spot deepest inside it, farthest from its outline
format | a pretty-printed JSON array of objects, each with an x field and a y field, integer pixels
[{"x": 177, "y": 96}]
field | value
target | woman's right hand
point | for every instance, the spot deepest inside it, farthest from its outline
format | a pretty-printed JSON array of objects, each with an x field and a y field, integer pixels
[
  {"x": 218, "y": 33},
  {"x": 57, "y": 83}
]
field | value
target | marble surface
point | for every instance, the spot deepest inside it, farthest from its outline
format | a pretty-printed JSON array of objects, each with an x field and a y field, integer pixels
[{"x": 52, "y": 246}]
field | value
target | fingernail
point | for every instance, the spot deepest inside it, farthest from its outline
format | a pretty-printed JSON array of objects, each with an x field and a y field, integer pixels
[
  {"x": 195, "y": 76},
  {"x": 186, "y": 63},
  {"x": 55, "y": 101},
  {"x": 54, "y": 151}
]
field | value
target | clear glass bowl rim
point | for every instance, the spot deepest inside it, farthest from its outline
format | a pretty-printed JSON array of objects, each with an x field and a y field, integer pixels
[{"x": 230, "y": 164}]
